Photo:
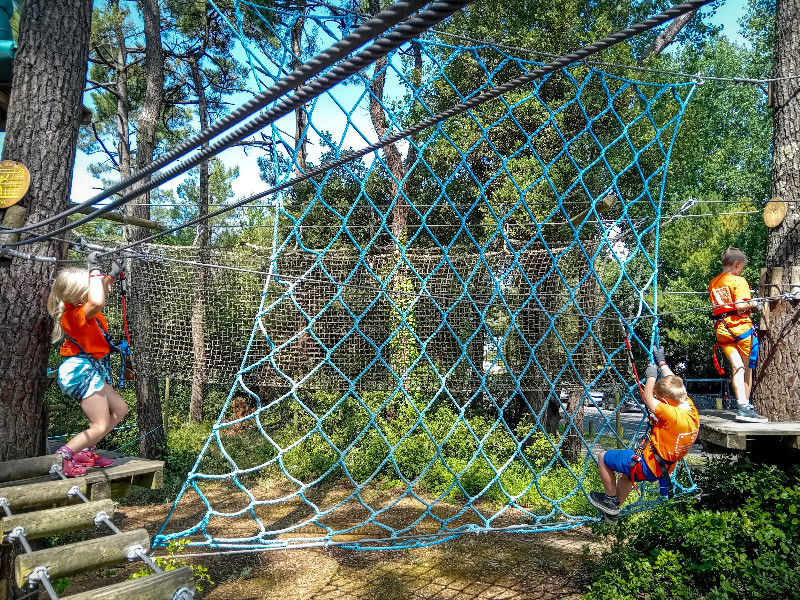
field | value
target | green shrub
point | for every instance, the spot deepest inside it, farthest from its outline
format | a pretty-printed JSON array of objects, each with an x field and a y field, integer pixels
[{"x": 739, "y": 542}]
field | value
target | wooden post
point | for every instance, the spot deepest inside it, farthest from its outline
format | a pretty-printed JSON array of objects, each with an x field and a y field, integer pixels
[
  {"x": 129, "y": 220},
  {"x": 44, "y": 523},
  {"x": 795, "y": 282},
  {"x": 776, "y": 283},
  {"x": 14, "y": 217},
  {"x": 165, "y": 408},
  {"x": 619, "y": 424},
  {"x": 763, "y": 324}
]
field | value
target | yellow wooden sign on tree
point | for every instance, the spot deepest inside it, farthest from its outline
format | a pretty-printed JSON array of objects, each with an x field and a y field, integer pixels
[{"x": 14, "y": 182}]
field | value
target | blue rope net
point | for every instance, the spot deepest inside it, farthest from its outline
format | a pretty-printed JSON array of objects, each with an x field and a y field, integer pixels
[{"x": 439, "y": 345}]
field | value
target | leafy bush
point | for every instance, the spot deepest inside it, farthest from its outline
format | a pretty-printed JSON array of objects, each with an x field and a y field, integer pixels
[{"x": 738, "y": 542}]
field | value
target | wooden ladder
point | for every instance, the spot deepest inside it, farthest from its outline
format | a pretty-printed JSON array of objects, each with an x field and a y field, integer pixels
[{"x": 33, "y": 505}]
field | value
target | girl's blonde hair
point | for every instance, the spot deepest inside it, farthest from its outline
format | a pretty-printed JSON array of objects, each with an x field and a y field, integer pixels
[{"x": 70, "y": 287}]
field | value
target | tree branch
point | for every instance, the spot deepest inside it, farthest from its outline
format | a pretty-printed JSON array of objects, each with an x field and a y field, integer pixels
[
  {"x": 666, "y": 37},
  {"x": 106, "y": 86},
  {"x": 106, "y": 150}
]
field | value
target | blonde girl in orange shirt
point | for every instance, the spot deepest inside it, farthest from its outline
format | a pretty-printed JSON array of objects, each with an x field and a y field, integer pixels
[{"x": 75, "y": 302}]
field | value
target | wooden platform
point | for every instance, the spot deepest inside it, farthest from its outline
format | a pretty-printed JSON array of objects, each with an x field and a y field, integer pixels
[
  {"x": 111, "y": 482},
  {"x": 721, "y": 433}
]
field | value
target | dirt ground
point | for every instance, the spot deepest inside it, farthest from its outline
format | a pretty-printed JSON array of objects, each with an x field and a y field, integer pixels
[{"x": 541, "y": 566}]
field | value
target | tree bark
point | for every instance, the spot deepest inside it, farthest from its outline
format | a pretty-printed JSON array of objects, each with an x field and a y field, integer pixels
[
  {"x": 300, "y": 116},
  {"x": 573, "y": 434},
  {"x": 148, "y": 398},
  {"x": 42, "y": 133},
  {"x": 123, "y": 102},
  {"x": 202, "y": 241},
  {"x": 776, "y": 385}
]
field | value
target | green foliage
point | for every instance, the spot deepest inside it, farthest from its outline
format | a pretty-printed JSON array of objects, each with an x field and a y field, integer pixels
[
  {"x": 172, "y": 561},
  {"x": 428, "y": 444},
  {"x": 61, "y": 585},
  {"x": 737, "y": 543}
]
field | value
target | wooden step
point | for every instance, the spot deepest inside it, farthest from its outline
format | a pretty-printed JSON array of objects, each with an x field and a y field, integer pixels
[
  {"x": 81, "y": 556},
  {"x": 26, "y": 468},
  {"x": 56, "y": 520},
  {"x": 161, "y": 586},
  {"x": 28, "y": 495}
]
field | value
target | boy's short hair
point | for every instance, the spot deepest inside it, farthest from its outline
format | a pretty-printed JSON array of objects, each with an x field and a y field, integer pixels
[
  {"x": 670, "y": 387},
  {"x": 732, "y": 255}
]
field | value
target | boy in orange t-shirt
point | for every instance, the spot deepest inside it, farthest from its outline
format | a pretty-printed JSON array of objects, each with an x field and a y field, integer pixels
[
  {"x": 674, "y": 431},
  {"x": 731, "y": 306}
]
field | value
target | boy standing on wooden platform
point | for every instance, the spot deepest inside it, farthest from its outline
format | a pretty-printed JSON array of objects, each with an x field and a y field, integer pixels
[{"x": 731, "y": 307}]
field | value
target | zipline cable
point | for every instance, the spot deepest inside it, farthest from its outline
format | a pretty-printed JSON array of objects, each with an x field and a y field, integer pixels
[
  {"x": 392, "y": 40},
  {"x": 458, "y": 109},
  {"x": 382, "y": 21}
]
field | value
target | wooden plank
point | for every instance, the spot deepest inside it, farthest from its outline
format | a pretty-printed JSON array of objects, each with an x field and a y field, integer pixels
[
  {"x": 120, "y": 489},
  {"x": 161, "y": 586},
  {"x": 722, "y": 439},
  {"x": 43, "y": 523},
  {"x": 151, "y": 481},
  {"x": 25, "y": 468},
  {"x": 724, "y": 421},
  {"x": 125, "y": 468},
  {"x": 41, "y": 494},
  {"x": 81, "y": 556}
]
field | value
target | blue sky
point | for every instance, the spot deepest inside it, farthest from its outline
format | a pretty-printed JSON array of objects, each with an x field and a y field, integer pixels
[{"x": 85, "y": 186}]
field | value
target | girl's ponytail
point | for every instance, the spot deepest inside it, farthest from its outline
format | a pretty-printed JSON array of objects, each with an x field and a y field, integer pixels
[{"x": 70, "y": 287}]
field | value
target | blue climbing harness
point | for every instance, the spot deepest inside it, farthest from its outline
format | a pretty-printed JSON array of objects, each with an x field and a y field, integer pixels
[
  {"x": 753, "y": 358},
  {"x": 101, "y": 366}
]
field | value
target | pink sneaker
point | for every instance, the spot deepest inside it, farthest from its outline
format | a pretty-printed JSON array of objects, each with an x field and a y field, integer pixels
[
  {"x": 89, "y": 458},
  {"x": 71, "y": 467}
]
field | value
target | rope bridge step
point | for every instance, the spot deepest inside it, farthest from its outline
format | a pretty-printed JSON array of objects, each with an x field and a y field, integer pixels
[
  {"x": 30, "y": 495},
  {"x": 80, "y": 556},
  {"x": 161, "y": 586},
  {"x": 64, "y": 519},
  {"x": 27, "y": 468}
]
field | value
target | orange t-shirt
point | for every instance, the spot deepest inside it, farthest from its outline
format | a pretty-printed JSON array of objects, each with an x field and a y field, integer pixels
[
  {"x": 673, "y": 434},
  {"x": 86, "y": 333},
  {"x": 727, "y": 289}
]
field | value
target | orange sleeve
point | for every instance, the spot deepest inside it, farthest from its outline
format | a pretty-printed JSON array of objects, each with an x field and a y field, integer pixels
[{"x": 740, "y": 289}]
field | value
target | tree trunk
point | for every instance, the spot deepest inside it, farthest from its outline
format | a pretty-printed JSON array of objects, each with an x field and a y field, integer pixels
[
  {"x": 42, "y": 132},
  {"x": 776, "y": 385},
  {"x": 148, "y": 399},
  {"x": 300, "y": 116},
  {"x": 573, "y": 434},
  {"x": 123, "y": 103},
  {"x": 202, "y": 241}
]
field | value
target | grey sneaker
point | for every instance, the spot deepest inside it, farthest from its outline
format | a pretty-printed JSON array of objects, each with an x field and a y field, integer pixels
[
  {"x": 746, "y": 414},
  {"x": 608, "y": 505},
  {"x": 610, "y": 519}
]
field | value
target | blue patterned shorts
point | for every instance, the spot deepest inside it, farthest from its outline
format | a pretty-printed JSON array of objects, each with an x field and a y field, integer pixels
[{"x": 82, "y": 376}]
